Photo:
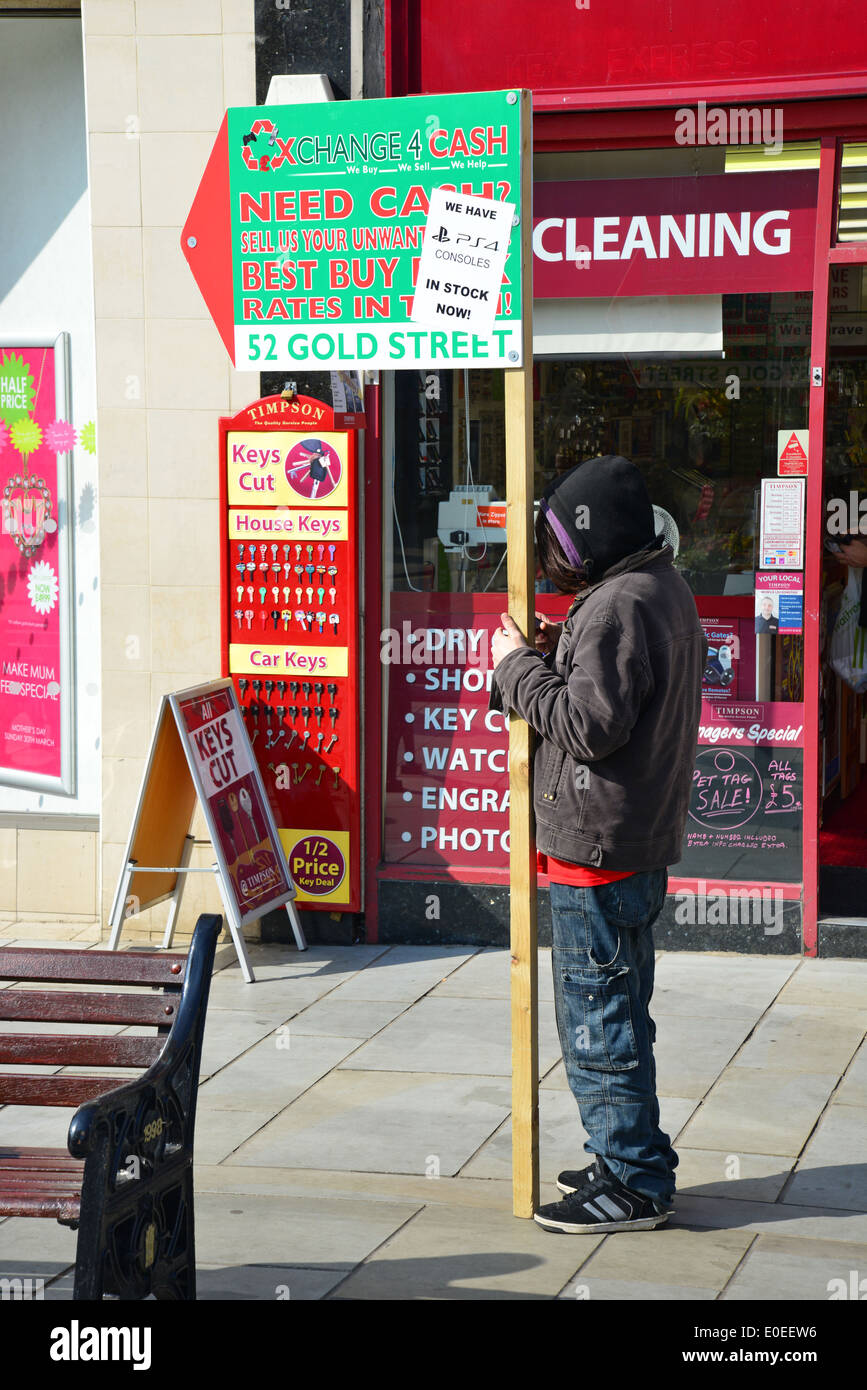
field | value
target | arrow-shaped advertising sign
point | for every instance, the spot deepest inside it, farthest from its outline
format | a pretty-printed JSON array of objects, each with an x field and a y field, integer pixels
[{"x": 306, "y": 233}]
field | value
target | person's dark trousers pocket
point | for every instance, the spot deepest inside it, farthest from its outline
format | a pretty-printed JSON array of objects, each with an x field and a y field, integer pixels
[{"x": 603, "y": 961}]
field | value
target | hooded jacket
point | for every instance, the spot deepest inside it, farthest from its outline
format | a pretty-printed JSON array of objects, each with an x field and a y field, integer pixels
[{"x": 617, "y": 705}]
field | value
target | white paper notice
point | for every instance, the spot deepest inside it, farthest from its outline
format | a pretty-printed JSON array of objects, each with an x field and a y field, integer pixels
[
  {"x": 781, "y": 543},
  {"x": 463, "y": 257}
]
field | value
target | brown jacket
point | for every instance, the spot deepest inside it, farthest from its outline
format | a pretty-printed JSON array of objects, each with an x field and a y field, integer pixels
[{"x": 617, "y": 710}]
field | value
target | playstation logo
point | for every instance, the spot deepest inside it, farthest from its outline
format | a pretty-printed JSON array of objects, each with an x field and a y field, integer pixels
[{"x": 441, "y": 235}]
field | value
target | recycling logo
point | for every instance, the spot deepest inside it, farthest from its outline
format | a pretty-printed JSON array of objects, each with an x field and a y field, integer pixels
[{"x": 262, "y": 162}]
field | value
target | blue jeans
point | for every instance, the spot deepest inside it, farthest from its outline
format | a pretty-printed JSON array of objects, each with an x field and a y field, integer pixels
[{"x": 603, "y": 978}]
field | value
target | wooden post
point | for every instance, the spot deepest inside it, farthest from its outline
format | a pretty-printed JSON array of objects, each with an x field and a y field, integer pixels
[{"x": 521, "y": 603}]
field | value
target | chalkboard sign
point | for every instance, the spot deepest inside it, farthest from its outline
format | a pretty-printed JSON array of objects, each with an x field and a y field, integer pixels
[{"x": 745, "y": 815}]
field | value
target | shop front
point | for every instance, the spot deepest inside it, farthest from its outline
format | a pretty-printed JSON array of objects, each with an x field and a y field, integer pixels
[{"x": 698, "y": 309}]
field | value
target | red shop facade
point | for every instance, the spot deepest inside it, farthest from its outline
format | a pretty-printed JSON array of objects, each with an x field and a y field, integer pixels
[{"x": 700, "y": 306}]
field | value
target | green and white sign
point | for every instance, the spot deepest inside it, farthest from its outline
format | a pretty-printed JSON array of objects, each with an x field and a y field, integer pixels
[{"x": 328, "y": 205}]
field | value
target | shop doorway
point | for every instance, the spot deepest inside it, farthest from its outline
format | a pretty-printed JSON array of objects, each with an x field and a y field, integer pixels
[{"x": 843, "y": 712}]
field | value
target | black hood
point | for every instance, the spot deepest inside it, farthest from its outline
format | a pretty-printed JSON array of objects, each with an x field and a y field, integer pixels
[{"x": 604, "y": 508}]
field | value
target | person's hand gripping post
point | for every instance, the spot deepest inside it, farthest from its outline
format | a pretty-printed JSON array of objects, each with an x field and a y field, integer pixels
[{"x": 508, "y": 638}]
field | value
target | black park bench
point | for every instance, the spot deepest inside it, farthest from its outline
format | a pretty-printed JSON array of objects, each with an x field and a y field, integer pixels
[{"x": 126, "y": 1184}]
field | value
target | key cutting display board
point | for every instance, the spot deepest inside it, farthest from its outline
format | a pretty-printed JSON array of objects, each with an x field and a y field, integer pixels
[{"x": 290, "y": 628}]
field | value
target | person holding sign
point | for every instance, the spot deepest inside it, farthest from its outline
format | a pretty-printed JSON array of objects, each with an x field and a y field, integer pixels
[{"x": 615, "y": 697}]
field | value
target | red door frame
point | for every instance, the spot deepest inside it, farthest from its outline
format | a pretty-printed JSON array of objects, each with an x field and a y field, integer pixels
[
  {"x": 825, "y": 228},
  {"x": 827, "y": 254},
  {"x": 833, "y": 122}
]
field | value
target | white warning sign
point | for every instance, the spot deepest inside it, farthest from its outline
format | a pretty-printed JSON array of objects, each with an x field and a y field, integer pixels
[{"x": 463, "y": 257}]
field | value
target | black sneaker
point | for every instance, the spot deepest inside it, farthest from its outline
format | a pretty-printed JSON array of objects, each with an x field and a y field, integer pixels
[
  {"x": 600, "y": 1203},
  {"x": 573, "y": 1179}
]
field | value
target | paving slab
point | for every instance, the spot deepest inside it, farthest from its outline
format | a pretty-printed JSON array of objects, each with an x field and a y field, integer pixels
[
  {"x": 278, "y": 960},
  {"x": 804, "y": 1038},
  {"x": 779, "y": 1270},
  {"x": 445, "y": 1254},
  {"x": 745, "y": 1177},
  {"x": 348, "y": 1018},
  {"x": 236, "y": 1031},
  {"x": 406, "y": 972},
  {"x": 387, "y": 1122},
  {"x": 691, "y": 1053},
  {"x": 753, "y": 1111},
  {"x": 220, "y": 1132},
  {"x": 33, "y": 1126},
  {"x": 623, "y": 1290},
  {"x": 60, "y": 1290},
  {"x": 318, "y": 1232},
  {"x": 36, "y": 1247},
  {"x": 832, "y": 1171},
  {"x": 33, "y": 933},
  {"x": 276, "y": 999},
  {"x": 853, "y": 1088},
  {"x": 555, "y": 1078},
  {"x": 488, "y": 976},
  {"x": 453, "y": 1035},
  {"x": 700, "y": 1258},
  {"x": 839, "y": 984},
  {"x": 703, "y": 985},
  {"x": 63, "y": 943},
  {"x": 492, "y": 1195},
  {"x": 274, "y": 1072},
  {"x": 561, "y": 1141},
  {"x": 777, "y": 1218},
  {"x": 242, "y": 1283}
]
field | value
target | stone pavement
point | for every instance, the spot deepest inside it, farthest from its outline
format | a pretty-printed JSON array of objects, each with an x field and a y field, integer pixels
[{"x": 353, "y": 1134}]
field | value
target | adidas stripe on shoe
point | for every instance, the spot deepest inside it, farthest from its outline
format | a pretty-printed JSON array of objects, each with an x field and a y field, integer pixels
[{"x": 598, "y": 1205}]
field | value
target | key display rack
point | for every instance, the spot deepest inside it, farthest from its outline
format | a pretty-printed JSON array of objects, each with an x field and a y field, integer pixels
[{"x": 290, "y": 627}]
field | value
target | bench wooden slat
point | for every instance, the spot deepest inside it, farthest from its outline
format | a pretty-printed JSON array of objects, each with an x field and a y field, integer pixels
[
  {"x": 19, "y": 1089},
  {"x": 37, "y": 1180},
  {"x": 91, "y": 967},
  {"x": 69, "y": 1006},
  {"x": 51, "y": 1160},
  {"x": 65, "y": 1206},
  {"x": 79, "y": 1050}
]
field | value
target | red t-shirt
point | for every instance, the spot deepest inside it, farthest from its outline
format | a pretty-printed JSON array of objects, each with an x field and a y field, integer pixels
[{"x": 575, "y": 875}]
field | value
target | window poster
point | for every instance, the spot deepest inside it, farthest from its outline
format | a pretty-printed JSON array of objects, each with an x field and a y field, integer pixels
[
  {"x": 779, "y": 604},
  {"x": 36, "y": 690},
  {"x": 729, "y": 669}
]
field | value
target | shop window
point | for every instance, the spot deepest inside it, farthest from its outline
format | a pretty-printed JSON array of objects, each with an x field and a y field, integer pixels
[
  {"x": 704, "y": 430},
  {"x": 686, "y": 349}
]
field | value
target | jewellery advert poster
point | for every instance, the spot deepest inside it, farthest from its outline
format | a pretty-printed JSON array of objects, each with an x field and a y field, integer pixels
[{"x": 30, "y": 611}]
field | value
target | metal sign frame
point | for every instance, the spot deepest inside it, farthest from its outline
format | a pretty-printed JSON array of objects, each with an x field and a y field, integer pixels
[{"x": 176, "y": 861}]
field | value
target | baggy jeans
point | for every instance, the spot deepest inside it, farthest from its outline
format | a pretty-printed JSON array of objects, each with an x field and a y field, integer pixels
[{"x": 603, "y": 961}]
